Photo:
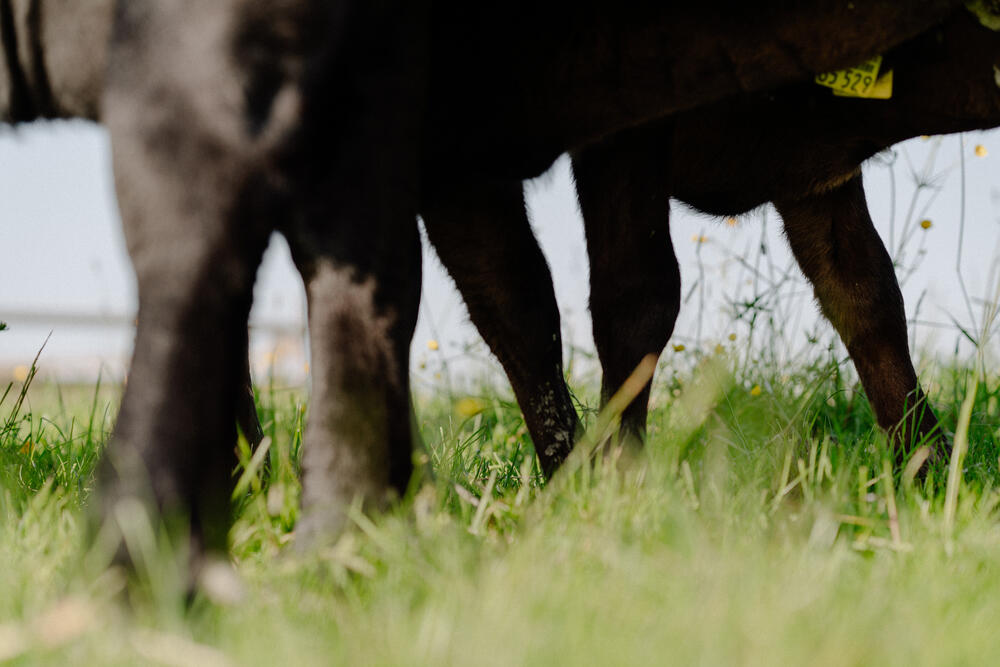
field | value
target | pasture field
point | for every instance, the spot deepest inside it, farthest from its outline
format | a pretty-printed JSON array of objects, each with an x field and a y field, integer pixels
[{"x": 762, "y": 525}]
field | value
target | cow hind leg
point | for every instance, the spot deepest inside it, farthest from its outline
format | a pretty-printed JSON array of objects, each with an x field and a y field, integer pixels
[
  {"x": 355, "y": 240},
  {"x": 358, "y": 443},
  {"x": 624, "y": 192},
  {"x": 483, "y": 238},
  {"x": 833, "y": 239}
]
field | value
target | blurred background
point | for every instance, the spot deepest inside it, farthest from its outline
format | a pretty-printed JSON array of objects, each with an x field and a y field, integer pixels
[{"x": 65, "y": 277}]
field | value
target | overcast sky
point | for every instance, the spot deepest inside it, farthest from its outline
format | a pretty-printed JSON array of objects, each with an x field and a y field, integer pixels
[{"x": 61, "y": 252}]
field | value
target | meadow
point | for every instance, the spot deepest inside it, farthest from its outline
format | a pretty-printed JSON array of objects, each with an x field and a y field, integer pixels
[{"x": 762, "y": 524}]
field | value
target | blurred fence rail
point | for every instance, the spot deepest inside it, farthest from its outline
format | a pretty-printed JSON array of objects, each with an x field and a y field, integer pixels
[
  {"x": 65, "y": 318},
  {"x": 42, "y": 318},
  {"x": 89, "y": 343}
]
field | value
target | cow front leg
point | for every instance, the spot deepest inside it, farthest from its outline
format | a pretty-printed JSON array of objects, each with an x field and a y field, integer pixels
[
  {"x": 172, "y": 447},
  {"x": 623, "y": 186},
  {"x": 835, "y": 243},
  {"x": 195, "y": 259},
  {"x": 482, "y": 235},
  {"x": 197, "y": 199}
]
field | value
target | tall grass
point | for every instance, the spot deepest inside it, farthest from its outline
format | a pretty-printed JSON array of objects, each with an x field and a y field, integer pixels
[{"x": 757, "y": 528}]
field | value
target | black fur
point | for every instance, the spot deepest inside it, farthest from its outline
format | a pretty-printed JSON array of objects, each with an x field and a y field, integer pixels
[{"x": 799, "y": 147}]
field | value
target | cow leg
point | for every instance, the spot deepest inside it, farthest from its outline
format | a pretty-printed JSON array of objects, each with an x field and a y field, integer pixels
[
  {"x": 356, "y": 242},
  {"x": 358, "y": 444},
  {"x": 195, "y": 251},
  {"x": 199, "y": 101},
  {"x": 623, "y": 185},
  {"x": 839, "y": 251},
  {"x": 482, "y": 236}
]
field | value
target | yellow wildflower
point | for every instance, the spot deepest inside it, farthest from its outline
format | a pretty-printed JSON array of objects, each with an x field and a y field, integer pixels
[
  {"x": 756, "y": 391},
  {"x": 981, "y": 151},
  {"x": 432, "y": 345},
  {"x": 679, "y": 348},
  {"x": 469, "y": 407},
  {"x": 926, "y": 224}
]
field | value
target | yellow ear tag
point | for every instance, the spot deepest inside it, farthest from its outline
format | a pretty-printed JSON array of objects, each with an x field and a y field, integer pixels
[
  {"x": 882, "y": 90},
  {"x": 858, "y": 81}
]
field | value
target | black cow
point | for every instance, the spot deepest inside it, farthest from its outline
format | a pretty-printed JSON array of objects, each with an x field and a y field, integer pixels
[
  {"x": 945, "y": 81},
  {"x": 324, "y": 120},
  {"x": 799, "y": 147}
]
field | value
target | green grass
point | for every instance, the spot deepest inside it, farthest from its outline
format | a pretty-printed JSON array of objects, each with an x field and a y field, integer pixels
[{"x": 756, "y": 528}]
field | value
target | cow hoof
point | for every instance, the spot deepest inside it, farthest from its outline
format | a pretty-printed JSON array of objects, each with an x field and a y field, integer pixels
[{"x": 320, "y": 526}]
